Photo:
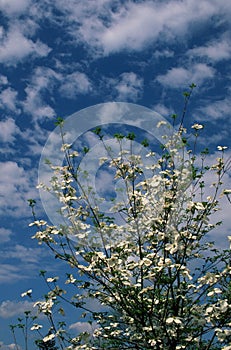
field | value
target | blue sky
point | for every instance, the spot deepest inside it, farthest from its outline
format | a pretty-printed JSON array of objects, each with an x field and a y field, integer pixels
[{"x": 60, "y": 56}]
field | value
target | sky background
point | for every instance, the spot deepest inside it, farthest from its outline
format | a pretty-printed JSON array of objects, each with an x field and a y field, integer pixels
[{"x": 60, "y": 56}]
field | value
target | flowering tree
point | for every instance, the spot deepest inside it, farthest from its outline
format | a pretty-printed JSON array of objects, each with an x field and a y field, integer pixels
[{"x": 149, "y": 263}]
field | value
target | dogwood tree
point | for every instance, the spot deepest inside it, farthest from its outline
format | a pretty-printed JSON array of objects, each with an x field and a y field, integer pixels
[{"x": 157, "y": 278}]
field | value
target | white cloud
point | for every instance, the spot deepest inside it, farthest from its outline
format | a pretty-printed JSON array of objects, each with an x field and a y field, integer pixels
[
  {"x": 25, "y": 262},
  {"x": 131, "y": 26},
  {"x": 83, "y": 327},
  {"x": 35, "y": 105},
  {"x": 163, "y": 110},
  {"x": 9, "y": 346},
  {"x": 12, "y": 7},
  {"x": 8, "y": 99},
  {"x": 43, "y": 80},
  {"x": 8, "y": 130},
  {"x": 16, "y": 186},
  {"x": 19, "y": 263},
  {"x": 215, "y": 51},
  {"x": 10, "y": 274},
  {"x": 5, "y": 234},
  {"x": 25, "y": 254},
  {"x": 9, "y": 308},
  {"x": 15, "y": 47},
  {"x": 114, "y": 25},
  {"x": 164, "y": 53},
  {"x": 217, "y": 110},
  {"x": 127, "y": 87},
  {"x": 3, "y": 80},
  {"x": 74, "y": 84},
  {"x": 180, "y": 77}
]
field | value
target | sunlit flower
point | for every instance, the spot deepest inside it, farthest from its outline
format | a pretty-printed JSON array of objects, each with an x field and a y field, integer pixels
[
  {"x": 102, "y": 160},
  {"x": 197, "y": 126},
  {"x": 71, "y": 279},
  {"x": 162, "y": 122},
  {"x": 171, "y": 320},
  {"x": 52, "y": 279},
  {"x": 36, "y": 327},
  {"x": 229, "y": 238},
  {"x": 38, "y": 223},
  {"x": 65, "y": 147},
  {"x": 48, "y": 337},
  {"x": 27, "y": 293},
  {"x": 221, "y": 148},
  {"x": 199, "y": 206}
]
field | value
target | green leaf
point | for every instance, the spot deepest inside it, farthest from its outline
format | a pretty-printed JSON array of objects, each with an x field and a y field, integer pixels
[
  {"x": 32, "y": 202},
  {"x": 119, "y": 136},
  {"x": 192, "y": 86},
  {"x": 42, "y": 272},
  {"x": 85, "y": 149},
  {"x": 205, "y": 151},
  {"x": 186, "y": 94},
  {"x": 145, "y": 143},
  {"x": 59, "y": 121},
  {"x": 131, "y": 136},
  {"x": 97, "y": 131}
]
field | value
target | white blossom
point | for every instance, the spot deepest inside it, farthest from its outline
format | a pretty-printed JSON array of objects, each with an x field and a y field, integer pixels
[
  {"x": 52, "y": 279},
  {"x": 48, "y": 337},
  {"x": 27, "y": 293},
  {"x": 197, "y": 126},
  {"x": 147, "y": 261},
  {"x": 221, "y": 148},
  {"x": 36, "y": 327}
]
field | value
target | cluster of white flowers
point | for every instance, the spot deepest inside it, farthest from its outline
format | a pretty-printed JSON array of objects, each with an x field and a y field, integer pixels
[
  {"x": 160, "y": 284},
  {"x": 44, "y": 307}
]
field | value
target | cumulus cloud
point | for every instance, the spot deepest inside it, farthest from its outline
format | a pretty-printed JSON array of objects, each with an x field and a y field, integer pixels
[
  {"x": 9, "y": 308},
  {"x": 16, "y": 186},
  {"x": 25, "y": 254},
  {"x": 42, "y": 81},
  {"x": 13, "y": 7},
  {"x": 3, "y": 80},
  {"x": 74, "y": 84},
  {"x": 83, "y": 327},
  {"x": 15, "y": 47},
  {"x": 163, "y": 110},
  {"x": 109, "y": 26},
  {"x": 8, "y": 99},
  {"x": 217, "y": 110},
  {"x": 35, "y": 105},
  {"x": 9, "y": 346},
  {"x": 180, "y": 77},
  {"x": 10, "y": 273},
  {"x": 214, "y": 51},
  {"x": 20, "y": 263},
  {"x": 24, "y": 262},
  {"x": 127, "y": 87},
  {"x": 133, "y": 25},
  {"x": 5, "y": 234},
  {"x": 8, "y": 130},
  {"x": 162, "y": 53}
]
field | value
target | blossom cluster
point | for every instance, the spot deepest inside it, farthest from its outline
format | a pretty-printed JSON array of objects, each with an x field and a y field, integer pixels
[{"x": 160, "y": 283}]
